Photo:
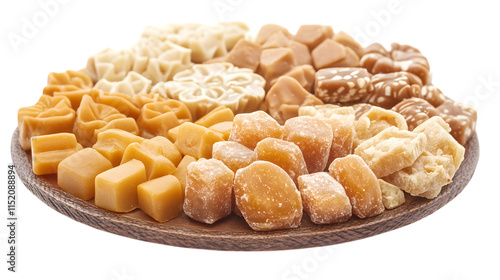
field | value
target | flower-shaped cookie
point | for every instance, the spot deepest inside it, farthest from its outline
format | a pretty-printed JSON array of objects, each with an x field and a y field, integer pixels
[{"x": 207, "y": 86}]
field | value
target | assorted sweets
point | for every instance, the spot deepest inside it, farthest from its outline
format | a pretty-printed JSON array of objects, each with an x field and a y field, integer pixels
[{"x": 210, "y": 121}]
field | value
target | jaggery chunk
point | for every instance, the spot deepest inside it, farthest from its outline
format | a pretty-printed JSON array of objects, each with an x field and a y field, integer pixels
[
  {"x": 267, "y": 197},
  {"x": 47, "y": 151},
  {"x": 314, "y": 138},
  {"x": 234, "y": 155},
  {"x": 341, "y": 119},
  {"x": 113, "y": 142},
  {"x": 76, "y": 173},
  {"x": 360, "y": 184},
  {"x": 284, "y": 154},
  {"x": 324, "y": 199},
  {"x": 391, "y": 150},
  {"x": 116, "y": 188},
  {"x": 248, "y": 129},
  {"x": 376, "y": 120},
  {"x": 161, "y": 198},
  {"x": 392, "y": 196},
  {"x": 208, "y": 191}
]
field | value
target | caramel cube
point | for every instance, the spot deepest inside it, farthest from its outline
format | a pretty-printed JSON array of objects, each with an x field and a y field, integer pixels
[
  {"x": 76, "y": 173},
  {"x": 196, "y": 140},
  {"x": 275, "y": 62},
  {"x": 152, "y": 155},
  {"x": 327, "y": 54},
  {"x": 267, "y": 197},
  {"x": 113, "y": 142},
  {"x": 360, "y": 184},
  {"x": 268, "y": 30},
  {"x": 391, "y": 150},
  {"x": 47, "y": 151},
  {"x": 324, "y": 199},
  {"x": 223, "y": 128},
  {"x": 248, "y": 129},
  {"x": 116, "y": 188},
  {"x": 301, "y": 53},
  {"x": 314, "y": 138},
  {"x": 285, "y": 98},
  {"x": 313, "y": 35},
  {"x": 161, "y": 198},
  {"x": 181, "y": 171},
  {"x": 245, "y": 54},
  {"x": 284, "y": 154},
  {"x": 209, "y": 186},
  {"x": 234, "y": 155}
]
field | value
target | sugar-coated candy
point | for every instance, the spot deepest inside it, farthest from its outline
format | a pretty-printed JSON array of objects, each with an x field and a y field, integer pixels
[
  {"x": 267, "y": 197},
  {"x": 285, "y": 154},
  {"x": 324, "y": 199},
  {"x": 233, "y": 154},
  {"x": 314, "y": 138},
  {"x": 248, "y": 129},
  {"x": 360, "y": 184},
  {"x": 209, "y": 185}
]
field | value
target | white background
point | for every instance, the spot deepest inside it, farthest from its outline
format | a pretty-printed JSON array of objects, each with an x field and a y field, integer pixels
[{"x": 460, "y": 241}]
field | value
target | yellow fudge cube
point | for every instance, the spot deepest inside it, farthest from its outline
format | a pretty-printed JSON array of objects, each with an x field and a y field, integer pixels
[
  {"x": 76, "y": 173},
  {"x": 47, "y": 151},
  {"x": 113, "y": 142},
  {"x": 116, "y": 188},
  {"x": 217, "y": 115},
  {"x": 150, "y": 154},
  {"x": 196, "y": 140},
  {"x": 181, "y": 171},
  {"x": 161, "y": 198}
]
